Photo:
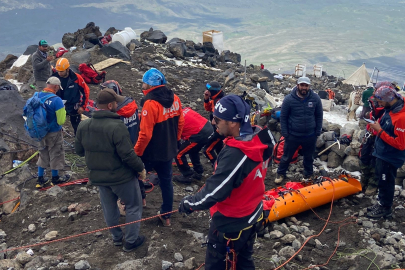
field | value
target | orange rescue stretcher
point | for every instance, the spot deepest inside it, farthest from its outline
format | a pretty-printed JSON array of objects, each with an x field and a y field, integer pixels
[{"x": 304, "y": 196}]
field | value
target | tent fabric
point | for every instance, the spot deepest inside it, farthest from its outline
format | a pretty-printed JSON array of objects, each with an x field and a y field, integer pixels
[{"x": 359, "y": 77}]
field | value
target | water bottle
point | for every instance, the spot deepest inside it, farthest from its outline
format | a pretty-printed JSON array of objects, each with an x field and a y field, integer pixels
[{"x": 16, "y": 163}]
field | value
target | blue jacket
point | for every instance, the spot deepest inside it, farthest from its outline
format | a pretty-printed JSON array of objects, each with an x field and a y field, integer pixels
[
  {"x": 390, "y": 141},
  {"x": 301, "y": 117}
]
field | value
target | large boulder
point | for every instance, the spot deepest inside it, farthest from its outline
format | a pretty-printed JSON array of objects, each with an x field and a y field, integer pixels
[
  {"x": 79, "y": 37},
  {"x": 155, "y": 36},
  {"x": 7, "y": 62},
  {"x": 80, "y": 57},
  {"x": 351, "y": 164},
  {"x": 116, "y": 49},
  {"x": 178, "y": 49},
  {"x": 349, "y": 129},
  {"x": 334, "y": 160},
  {"x": 227, "y": 56},
  {"x": 209, "y": 47},
  {"x": 30, "y": 49},
  {"x": 92, "y": 38}
]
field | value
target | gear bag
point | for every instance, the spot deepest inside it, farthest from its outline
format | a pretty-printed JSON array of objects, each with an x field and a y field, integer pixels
[
  {"x": 90, "y": 74},
  {"x": 279, "y": 150},
  {"x": 35, "y": 112}
]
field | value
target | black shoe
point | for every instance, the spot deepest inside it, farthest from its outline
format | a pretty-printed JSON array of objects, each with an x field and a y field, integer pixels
[
  {"x": 59, "y": 180},
  {"x": 197, "y": 176},
  {"x": 183, "y": 179},
  {"x": 380, "y": 211},
  {"x": 42, "y": 182},
  {"x": 118, "y": 243},
  {"x": 129, "y": 247},
  {"x": 373, "y": 207}
]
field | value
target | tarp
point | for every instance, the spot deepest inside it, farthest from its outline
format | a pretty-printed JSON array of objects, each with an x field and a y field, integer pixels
[{"x": 359, "y": 77}]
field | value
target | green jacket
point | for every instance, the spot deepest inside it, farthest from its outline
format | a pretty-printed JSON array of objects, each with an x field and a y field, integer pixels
[
  {"x": 105, "y": 142},
  {"x": 366, "y": 95}
]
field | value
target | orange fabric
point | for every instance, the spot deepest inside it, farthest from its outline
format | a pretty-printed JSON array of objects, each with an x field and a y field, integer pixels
[
  {"x": 209, "y": 149},
  {"x": 210, "y": 106},
  {"x": 152, "y": 113},
  {"x": 181, "y": 153},
  {"x": 331, "y": 93},
  {"x": 80, "y": 81}
]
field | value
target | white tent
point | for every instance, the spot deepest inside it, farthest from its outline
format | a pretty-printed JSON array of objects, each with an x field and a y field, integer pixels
[{"x": 359, "y": 77}]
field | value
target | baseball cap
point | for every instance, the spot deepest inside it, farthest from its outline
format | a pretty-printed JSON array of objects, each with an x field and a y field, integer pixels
[
  {"x": 107, "y": 95},
  {"x": 304, "y": 80},
  {"x": 43, "y": 42},
  {"x": 54, "y": 81}
]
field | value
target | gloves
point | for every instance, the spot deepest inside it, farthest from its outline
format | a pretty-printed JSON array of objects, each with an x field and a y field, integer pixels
[
  {"x": 142, "y": 175},
  {"x": 184, "y": 207},
  {"x": 345, "y": 139}
]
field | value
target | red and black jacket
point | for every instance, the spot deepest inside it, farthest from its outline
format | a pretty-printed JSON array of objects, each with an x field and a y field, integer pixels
[
  {"x": 193, "y": 123},
  {"x": 128, "y": 110},
  {"x": 161, "y": 125},
  {"x": 234, "y": 193}
]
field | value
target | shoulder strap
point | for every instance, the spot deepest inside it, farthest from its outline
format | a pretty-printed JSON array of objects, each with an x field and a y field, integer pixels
[{"x": 45, "y": 98}]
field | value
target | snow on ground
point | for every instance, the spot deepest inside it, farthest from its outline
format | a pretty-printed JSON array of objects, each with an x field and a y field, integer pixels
[
  {"x": 17, "y": 83},
  {"x": 20, "y": 61},
  {"x": 338, "y": 116}
]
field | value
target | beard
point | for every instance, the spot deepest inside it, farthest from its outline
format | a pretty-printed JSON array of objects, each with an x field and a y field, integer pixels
[{"x": 303, "y": 92}]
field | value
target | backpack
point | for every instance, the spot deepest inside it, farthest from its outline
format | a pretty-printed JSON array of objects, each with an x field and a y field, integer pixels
[
  {"x": 357, "y": 97},
  {"x": 278, "y": 151},
  {"x": 90, "y": 74},
  {"x": 35, "y": 112}
]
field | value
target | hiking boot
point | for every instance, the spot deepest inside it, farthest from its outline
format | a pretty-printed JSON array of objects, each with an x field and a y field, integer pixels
[
  {"x": 279, "y": 178},
  {"x": 42, "y": 182},
  {"x": 59, "y": 180},
  {"x": 183, "y": 179},
  {"x": 166, "y": 221},
  {"x": 117, "y": 243},
  {"x": 197, "y": 176},
  {"x": 129, "y": 247},
  {"x": 371, "y": 190},
  {"x": 373, "y": 207},
  {"x": 380, "y": 211}
]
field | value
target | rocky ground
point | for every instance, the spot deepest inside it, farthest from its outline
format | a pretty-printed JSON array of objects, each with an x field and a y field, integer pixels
[{"x": 52, "y": 215}]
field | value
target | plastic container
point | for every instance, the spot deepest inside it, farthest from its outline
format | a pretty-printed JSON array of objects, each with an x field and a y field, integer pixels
[
  {"x": 300, "y": 70},
  {"x": 16, "y": 163},
  {"x": 318, "y": 71},
  {"x": 124, "y": 37},
  {"x": 216, "y": 38}
]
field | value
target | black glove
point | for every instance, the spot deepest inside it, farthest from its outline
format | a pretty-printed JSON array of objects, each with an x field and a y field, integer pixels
[
  {"x": 345, "y": 139},
  {"x": 184, "y": 207}
]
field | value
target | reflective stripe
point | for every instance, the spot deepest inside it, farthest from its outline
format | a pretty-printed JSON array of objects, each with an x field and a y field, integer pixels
[
  {"x": 221, "y": 185},
  {"x": 258, "y": 211}
]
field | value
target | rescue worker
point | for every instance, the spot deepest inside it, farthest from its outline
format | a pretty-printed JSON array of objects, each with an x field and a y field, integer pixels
[
  {"x": 128, "y": 110},
  {"x": 194, "y": 136},
  {"x": 234, "y": 193},
  {"x": 52, "y": 153},
  {"x": 211, "y": 96},
  {"x": 75, "y": 91},
  {"x": 160, "y": 129},
  {"x": 388, "y": 150}
]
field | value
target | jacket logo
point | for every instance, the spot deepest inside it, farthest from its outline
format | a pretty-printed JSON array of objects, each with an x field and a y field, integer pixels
[
  {"x": 71, "y": 86},
  {"x": 310, "y": 104},
  {"x": 175, "y": 107},
  {"x": 219, "y": 107},
  {"x": 400, "y": 129},
  {"x": 144, "y": 112},
  {"x": 258, "y": 174}
]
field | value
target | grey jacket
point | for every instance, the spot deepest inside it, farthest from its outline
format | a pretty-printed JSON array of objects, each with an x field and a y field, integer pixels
[{"x": 42, "y": 67}]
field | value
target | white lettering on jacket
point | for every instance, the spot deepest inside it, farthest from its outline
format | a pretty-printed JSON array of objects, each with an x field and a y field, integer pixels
[
  {"x": 400, "y": 129},
  {"x": 174, "y": 108}
]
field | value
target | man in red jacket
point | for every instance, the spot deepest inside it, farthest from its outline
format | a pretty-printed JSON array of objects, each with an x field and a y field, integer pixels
[
  {"x": 234, "y": 193},
  {"x": 196, "y": 132}
]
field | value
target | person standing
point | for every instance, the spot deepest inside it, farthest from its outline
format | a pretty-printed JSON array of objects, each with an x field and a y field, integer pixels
[
  {"x": 364, "y": 98},
  {"x": 234, "y": 193},
  {"x": 114, "y": 167},
  {"x": 41, "y": 64},
  {"x": 301, "y": 123},
  {"x": 211, "y": 96},
  {"x": 194, "y": 136},
  {"x": 161, "y": 125},
  {"x": 76, "y": 92},
  {"x": 388, "y": 149},
  {"x": 52, "y": 153}
]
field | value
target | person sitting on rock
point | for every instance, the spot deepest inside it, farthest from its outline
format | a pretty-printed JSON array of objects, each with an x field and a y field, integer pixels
[
  {"x": 211, "y": 96},
  {"x": 76, "y": 92},
  {"x": 161, "y": 125},
  {"x": 114, "y": 167},
  {"x": 194, "y": 136},
  {"x": 41, "y": 64},
  {"x": 52, "y": 153},
  {"x": 128, "y": 110}
]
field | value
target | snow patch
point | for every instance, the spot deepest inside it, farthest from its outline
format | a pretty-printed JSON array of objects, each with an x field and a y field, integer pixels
[
  {"x": 17, "y": 83},
  {"x": 20, "y": 61}
]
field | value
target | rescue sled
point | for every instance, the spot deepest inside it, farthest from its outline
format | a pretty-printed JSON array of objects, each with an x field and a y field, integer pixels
[{"x": 296, "y": 197}]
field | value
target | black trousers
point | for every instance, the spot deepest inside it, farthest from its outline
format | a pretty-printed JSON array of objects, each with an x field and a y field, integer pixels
[
  {"x": 214, "y": 146},
  {"x": 385, "y": 174},
  {"x": 193, "y": 150},
  {"x": 215, "y": 257},
  {"x": 75, "y": 121}
]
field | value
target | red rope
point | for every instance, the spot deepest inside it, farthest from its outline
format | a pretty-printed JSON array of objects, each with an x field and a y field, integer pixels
[
  {"x": 83, "y": 234},
  {"x": 10, "y": 200}
]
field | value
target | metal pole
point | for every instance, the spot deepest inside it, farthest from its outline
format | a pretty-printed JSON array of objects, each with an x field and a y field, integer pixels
[{"x": 244, "y": 79}]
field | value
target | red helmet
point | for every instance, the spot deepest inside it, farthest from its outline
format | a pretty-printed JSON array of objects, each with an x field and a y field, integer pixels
[{"x": 114, "y": 85}]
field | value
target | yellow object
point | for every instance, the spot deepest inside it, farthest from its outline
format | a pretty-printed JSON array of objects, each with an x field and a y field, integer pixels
[
  {"x": 15, "y": 207},
  {"x": 62, "y": 64}
]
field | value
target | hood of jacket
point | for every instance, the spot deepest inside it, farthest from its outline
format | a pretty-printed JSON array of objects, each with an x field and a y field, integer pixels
[
  {"x": 105, "y": 114},
  {"x": 252, "y": 145},
  {"x": 161, "y": 94},
  {"x": 127, "y": 108}
]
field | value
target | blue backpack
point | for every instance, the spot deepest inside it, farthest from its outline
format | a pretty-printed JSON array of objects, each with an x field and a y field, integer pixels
[{"x": 35, "y": 112}]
